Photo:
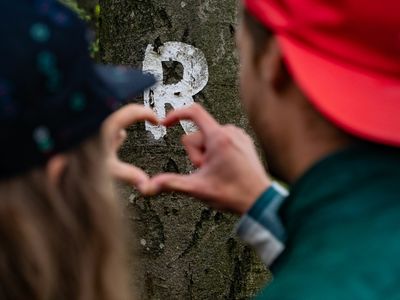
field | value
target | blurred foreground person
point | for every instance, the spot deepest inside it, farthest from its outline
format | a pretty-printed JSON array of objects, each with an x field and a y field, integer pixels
[
  {"x": 60, "y": 232},
  {"x": 320, "y": 82}
]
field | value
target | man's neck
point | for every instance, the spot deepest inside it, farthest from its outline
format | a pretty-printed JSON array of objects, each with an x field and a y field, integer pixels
[
  {"x": 306, "y": 158},
  {"x": 306, "y": 153}
]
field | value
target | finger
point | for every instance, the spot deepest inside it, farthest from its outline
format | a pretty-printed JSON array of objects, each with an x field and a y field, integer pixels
[
  {"x": 233, "y": 129},
  {"x": 206, "y": 123},
  {"x": 129, "y": 173},
  {"x": 237, "y": 132},
  {"x": 194, "y": 146},
  {"x": 120, "y": 139},
  {"x": 129, "y": 115},
  {"x": 170, "y": 182}
]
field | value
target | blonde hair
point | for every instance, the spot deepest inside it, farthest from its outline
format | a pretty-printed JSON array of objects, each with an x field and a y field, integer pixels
[{"x": 62, "y": 242}]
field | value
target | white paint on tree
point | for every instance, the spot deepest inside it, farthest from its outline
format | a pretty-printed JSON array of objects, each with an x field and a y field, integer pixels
[{"x": 179, "y": 95}]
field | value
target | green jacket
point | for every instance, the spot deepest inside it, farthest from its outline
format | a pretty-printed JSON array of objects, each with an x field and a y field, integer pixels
[{"x": 342, "y": 221}]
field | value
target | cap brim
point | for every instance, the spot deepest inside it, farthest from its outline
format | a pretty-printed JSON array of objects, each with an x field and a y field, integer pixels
[
  {"x": 361, "y": 102},
  {"x": 124, "y": 82}
]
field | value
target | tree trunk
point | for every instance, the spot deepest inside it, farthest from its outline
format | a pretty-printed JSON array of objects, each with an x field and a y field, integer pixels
[{"x": 185, "y": 250}]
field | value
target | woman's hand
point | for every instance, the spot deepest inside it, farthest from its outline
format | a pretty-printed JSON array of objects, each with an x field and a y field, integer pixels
[
  {"x": 230, "y": 176},
  {"x": 114, "y": 134}
]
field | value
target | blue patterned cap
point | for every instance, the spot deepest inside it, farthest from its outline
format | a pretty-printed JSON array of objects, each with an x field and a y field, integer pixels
[{"x": 52, "y": 96}]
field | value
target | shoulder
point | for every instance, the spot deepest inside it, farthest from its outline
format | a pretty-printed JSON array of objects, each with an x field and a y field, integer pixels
[{"x": 339, "y": 264}]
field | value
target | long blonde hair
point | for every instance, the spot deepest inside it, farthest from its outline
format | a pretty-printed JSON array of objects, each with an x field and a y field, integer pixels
[{"x": 62, "y": 242}]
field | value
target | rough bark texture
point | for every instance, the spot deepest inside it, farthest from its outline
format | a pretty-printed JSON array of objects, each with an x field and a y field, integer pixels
[{"x": 186, "y": 250}]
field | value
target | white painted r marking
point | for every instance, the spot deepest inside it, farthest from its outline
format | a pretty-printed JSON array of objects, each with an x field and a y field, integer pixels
[{"x": 179, "y": 95}]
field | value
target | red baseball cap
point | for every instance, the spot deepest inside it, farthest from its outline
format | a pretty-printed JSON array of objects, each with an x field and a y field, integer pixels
[{"x": 345, "y": 55}]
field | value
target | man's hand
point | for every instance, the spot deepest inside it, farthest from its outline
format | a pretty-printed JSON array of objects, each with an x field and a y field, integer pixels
[
  {"x": 114, "y": 134},
  {"x": 230, "y": 175}
]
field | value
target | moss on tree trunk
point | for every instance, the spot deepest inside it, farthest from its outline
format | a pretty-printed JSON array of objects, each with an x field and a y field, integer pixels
[{"x": 88, "y": 5}]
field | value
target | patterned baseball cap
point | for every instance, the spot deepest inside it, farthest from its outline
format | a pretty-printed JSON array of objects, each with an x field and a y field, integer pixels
[{"x": 52, "y": 95}]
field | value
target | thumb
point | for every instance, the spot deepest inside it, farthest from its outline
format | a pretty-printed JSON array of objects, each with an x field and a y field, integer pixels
[
  {"x": 128, "y": 173},
  {"x": 170, "y": 182}
]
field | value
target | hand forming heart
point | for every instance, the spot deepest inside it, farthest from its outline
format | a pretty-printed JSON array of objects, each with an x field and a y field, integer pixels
[
  {"x": 114, "y": 135},
  {"x": 229, "y": 177}
]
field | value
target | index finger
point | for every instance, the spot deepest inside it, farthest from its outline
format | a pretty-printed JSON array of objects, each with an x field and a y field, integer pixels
[
  {"x": 196, "y": 113},
  {"x": 131, "y": 114}
]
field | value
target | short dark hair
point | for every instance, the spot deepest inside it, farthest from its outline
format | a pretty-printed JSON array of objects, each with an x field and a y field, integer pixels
[{"x": 259, "y": 33}]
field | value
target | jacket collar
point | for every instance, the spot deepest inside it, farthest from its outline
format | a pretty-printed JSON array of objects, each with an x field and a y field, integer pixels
[{"x": 337, "y": 175}]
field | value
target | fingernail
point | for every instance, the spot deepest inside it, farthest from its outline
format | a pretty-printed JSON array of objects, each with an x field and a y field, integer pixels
[
  {"x": 153, "y": 189},
  {"x": 123, "y": 133},
  {"x": 148, "y": 189}
]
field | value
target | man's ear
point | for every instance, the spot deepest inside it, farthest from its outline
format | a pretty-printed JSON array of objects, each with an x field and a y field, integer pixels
[
  {"x": 55, "y": 168},
  {"x": 273, "y": 68}
]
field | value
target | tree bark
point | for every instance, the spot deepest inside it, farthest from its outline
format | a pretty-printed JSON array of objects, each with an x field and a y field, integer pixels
[{"x": 184, "y": 250}]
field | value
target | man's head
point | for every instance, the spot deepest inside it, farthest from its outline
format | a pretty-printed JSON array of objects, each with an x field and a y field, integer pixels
[
  {"x": 279, "y": 112},
  {"x": 316, "y": 75}
]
